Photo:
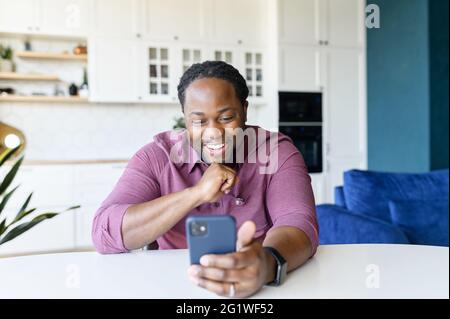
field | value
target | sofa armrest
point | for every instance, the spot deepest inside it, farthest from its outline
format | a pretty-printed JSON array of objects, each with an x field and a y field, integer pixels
[{"x": 340, "y": 226}]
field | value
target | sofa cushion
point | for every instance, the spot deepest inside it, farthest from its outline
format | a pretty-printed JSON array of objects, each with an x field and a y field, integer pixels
[
  {"x": 368, "y": 193},
  {"x": 339, "y": 197},
  {"x": 339, "y": 226},
  {"x": 424, "y": 222}
]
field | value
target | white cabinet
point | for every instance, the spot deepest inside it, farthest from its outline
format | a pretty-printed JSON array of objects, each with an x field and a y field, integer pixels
[
  {"x": 118, "y": 18},
  {"x": 157, "y": 77},
  {"x": 300, "y": 68},
  {"x": 345, "y": 103},
  {"x": 322, "y": 22},
  {"x": 18, "y": 16},
  {"x": 56, "y": 188},
  {"x": 65, "y": 17},
  {"x": 92, "y": 184},
  {"x": 238, "y": 21},
  {"x": 113, "y": 69},
  {"x": 174, "y": 20},
  {"x": 49, "y": 17},
  {"x": 302, "y": 21},
  {"x": 345, "y": 23}
]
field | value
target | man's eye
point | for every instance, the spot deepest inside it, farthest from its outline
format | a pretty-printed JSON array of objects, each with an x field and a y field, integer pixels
[
  {"x": 198, "y": 122},
  {"x": 226, "y": 119}
]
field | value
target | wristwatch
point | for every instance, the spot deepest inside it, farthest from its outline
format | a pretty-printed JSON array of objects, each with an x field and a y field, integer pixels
[{"x": 281, "y": 270}]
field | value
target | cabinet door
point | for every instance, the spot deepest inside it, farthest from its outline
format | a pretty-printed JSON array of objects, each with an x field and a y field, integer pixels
[
  {"x": 65, "y": 17},
  {"x": 300, "y": 68},
  {"x": 254, "y": 72},
  {"x": 93, "y": 183},
  {"x": 112, "y": 70},
  {"x": 238, "y": 21},
  {"x": 116, "y": 18},
  {"x": 158, "y": 76},
  {"x": 174, "y": 20},
  {"x": 346, "y": 23},
  {"x": 345, "y": 104},
  {"x": 50, "y": 235},
  {"x": 302, "y": 21},
  {"x": 18, "y": 16}
]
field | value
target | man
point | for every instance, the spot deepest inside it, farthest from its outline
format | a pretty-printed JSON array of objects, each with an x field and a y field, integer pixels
[{"x": 271, "y": 198}]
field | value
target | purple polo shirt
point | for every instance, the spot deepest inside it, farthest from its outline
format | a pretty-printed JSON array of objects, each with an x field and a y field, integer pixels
[{"x": 282, "y": 197}]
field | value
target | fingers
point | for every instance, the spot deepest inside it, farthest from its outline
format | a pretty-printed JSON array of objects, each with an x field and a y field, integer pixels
[
  {"x": 236, "y": 260},
  {"x": 219, "y": 274},
  {"x": 222, "y": 289},
  {"x": 245, "y": 234},
  {"x": 230, "y": 179}
]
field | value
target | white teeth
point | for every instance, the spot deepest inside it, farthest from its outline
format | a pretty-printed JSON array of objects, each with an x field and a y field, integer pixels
[{"x": 215, "y": 146}]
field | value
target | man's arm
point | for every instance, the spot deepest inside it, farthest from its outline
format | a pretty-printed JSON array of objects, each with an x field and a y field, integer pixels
[{"x": 293, "y": 245}]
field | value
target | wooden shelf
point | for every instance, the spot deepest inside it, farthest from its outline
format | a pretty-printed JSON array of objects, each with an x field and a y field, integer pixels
[
  {"x": 51, "y": 56},
  {"x": 27, "y": 77},
  {"x": 47, "y": 99}
]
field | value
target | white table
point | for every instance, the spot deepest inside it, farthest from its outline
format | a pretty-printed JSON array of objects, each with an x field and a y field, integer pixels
[{"x": 338, "y": 271}]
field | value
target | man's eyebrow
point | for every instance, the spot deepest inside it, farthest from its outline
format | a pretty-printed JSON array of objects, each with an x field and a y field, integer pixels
[
  {"x": 224, "y": 109},
  {"x": 196, "y": 113}
]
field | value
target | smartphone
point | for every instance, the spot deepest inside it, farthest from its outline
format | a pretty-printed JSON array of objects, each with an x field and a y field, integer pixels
[{"x": 210, "y": 235}]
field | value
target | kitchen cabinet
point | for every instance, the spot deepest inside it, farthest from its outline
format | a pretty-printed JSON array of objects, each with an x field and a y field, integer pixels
[
  {"x": 238, "y": 21},
  {"x": 174, "y": 20},
  {"x": 65, "y": 17},
  {"x": 302, "y": 21},
  {"x": 300, "y": 68},
  {"x": 118, "y": 18},
  {"x": 47, "y": 17},
  {"x": 345, "y": 103},
  {"x": 18, "y": 16},
  {"x": 56, "y": 188},
  {"x": 157, "y": 78},
  {"x": 113, "y": 69},
  {"x": 322, "y": 22}
]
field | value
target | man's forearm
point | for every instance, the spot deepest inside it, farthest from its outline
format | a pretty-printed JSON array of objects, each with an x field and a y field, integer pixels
[
  {"x": 292, "y": 243},
  {"x": 144, "y": 223}
]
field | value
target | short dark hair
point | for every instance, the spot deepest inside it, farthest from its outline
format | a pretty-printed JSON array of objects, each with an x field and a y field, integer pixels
[{"x": 213, "y": 69}]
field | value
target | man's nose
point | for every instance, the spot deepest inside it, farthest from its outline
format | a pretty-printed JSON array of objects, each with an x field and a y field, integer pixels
[{"x": 213, "y": 132}]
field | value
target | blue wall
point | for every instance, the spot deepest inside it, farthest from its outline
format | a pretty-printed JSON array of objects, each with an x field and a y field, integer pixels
[
  {"x": 439, "y": 83},
  {"x": 398, "y": 87},
  {"x": 404, "y": 64}
]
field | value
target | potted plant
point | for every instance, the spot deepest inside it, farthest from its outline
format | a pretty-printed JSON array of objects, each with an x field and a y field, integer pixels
[
  {"x": 179, "y": 123},
  {"x": 10, "y": 228},
  {"x": 6, "y": 55}
]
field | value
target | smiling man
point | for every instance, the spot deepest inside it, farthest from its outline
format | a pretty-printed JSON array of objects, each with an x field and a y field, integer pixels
[{"x": 231, "y": 168}]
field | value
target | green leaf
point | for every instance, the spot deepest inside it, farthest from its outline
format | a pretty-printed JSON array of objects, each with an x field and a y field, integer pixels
[
  {"x": 22, "y": 210},
  {"x": 5, "y": 199},
  {"x": 7, "y": 155},
  {"x": 10, "y": 176},
  {"x": 2, "y": 226},
  {"x": 20, "y": 229}
]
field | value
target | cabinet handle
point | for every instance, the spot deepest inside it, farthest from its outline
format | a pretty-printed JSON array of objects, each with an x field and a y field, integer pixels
[
  {"x": 326, "y": 43},
  {"x": 30, "y": 28},
  {"x": 176, "y": 38},
  {"x": 239, "y": 42},
  {"x": 138, "y": 35},
  {"x": 37, "y": 28}
]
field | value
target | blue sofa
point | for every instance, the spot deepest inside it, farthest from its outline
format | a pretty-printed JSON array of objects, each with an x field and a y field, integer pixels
[{"x": 396, "y": 208}]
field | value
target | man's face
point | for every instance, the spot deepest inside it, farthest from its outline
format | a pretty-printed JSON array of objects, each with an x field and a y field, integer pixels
[{"x": 211, "y": 106}]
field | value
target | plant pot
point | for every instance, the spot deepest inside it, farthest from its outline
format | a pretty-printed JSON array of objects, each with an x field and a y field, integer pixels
[{"x": 6, "y": 65}]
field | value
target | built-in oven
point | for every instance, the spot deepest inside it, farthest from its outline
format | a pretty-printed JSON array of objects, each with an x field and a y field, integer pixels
[{"x": 301, "y": 120}]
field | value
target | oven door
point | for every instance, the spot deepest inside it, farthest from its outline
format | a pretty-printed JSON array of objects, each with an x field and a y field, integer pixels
[{"x": 308, "y": 140}]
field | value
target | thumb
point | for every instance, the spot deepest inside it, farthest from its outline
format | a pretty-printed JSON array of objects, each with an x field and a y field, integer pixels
[{"x": 245, "y": 234}]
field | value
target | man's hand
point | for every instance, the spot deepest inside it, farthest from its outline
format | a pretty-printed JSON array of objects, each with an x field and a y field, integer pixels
[
  {"x": 248, "y": 269},
  {"x": 217, "y": 180}
]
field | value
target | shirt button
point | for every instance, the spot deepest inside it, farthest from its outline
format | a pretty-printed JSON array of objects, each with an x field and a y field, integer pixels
[{"x": 239, "y": 201}]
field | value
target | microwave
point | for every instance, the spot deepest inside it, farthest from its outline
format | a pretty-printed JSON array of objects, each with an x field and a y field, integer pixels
[{"x": 300, "y": 107}]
